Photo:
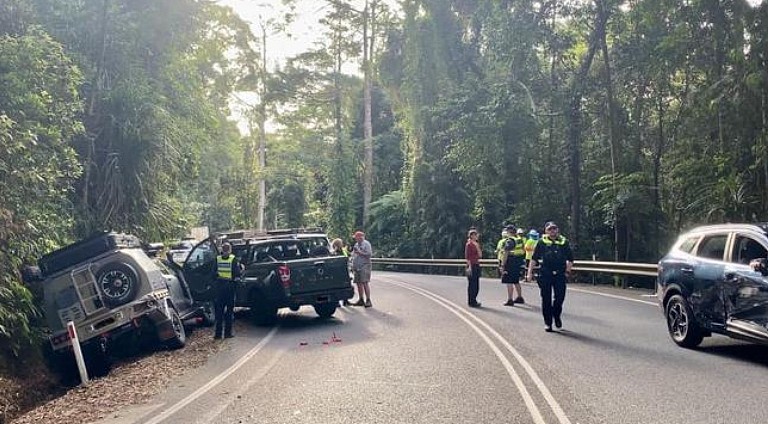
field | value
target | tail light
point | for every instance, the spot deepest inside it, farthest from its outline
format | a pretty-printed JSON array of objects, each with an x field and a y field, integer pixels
[{"x": 285, "y": 275}]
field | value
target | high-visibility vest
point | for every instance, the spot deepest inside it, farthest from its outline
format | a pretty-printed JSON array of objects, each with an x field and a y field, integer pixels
[
  {"x": 560, "y": 241},
  {"x": 530, "y": 246},
  {"x": 552, "y": 258},
  {"x": 224, "y": 267},
  {"x": 500, "y": 254},
  {"x": 518, "y": 250}
]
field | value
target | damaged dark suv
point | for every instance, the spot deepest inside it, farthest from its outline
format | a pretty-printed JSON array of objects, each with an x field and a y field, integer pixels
[{"x": 710, "y": 283}]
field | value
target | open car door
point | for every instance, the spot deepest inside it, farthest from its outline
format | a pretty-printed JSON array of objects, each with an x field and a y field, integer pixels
[
  {"x": 746, "y": 291},
  {"x": 200, "y": 270}
]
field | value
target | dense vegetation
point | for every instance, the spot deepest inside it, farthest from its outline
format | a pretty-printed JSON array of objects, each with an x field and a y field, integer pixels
[{"x": 625, "y": 121}]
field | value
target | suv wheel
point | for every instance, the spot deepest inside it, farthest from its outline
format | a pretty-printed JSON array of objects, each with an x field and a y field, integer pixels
[
  {"x": 263, "y": 311},
  {"x": 681, "y": 324},
  {"x": 209, "y": 318},
  {"x": 326, "y": 310},
  {"x": 179, "y": 333},
  {"x": 118, "y": 282}
]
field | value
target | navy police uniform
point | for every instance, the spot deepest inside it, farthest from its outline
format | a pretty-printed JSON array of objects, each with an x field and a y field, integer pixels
[
  {"x": 227, "y": 273},
  {"x": 552, "y": 255}
]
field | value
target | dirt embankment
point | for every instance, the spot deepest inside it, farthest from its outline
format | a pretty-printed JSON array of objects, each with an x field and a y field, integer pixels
[{"x": 39, "y": 399}]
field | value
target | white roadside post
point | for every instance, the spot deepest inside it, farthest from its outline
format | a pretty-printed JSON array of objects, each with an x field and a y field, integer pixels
[{"x": 72, "y": 330}]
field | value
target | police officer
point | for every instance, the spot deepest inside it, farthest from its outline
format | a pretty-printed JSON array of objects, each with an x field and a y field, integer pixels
[
  {"x": 228, "y": 271},
  {"x": 512, "y": 262},
  {"x": 554, "y": 255}
]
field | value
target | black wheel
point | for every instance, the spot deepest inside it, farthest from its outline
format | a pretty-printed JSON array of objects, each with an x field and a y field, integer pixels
[
  {"x": 326, "y": 310},
  {"x": 63, "y": 365},
  {"x": 262, "y": 310},
  {"x": 179, "y": 333},
  {"x": 97, "y": 361},
  {"x": 681, "y": 324},
  {"x": 209, "y": 318},
  {"x": 119, "y": 283}
]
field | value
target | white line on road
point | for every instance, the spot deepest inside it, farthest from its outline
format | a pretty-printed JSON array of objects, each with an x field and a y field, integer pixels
[
  {"x": 211, "y": 384},
  {"x": 527, "y": 398},
  {"x": 613, "y": 296}
]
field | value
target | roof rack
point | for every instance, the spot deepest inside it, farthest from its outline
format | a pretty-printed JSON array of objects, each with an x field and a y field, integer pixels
[{"x": 255, "y": 234}]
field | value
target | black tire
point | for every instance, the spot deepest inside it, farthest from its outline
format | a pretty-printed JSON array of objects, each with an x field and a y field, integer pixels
[
  {"x": 209, "y": 318},
  {"x": 97, "y": 361},
  {"x": 179, "y": 339},
  {"x": 681, "y": 324},
  {"x": 263, "y": 311},
  {"x": 326, "y": 310},
  {"x": 62, "y": 364},
  {"x": 118, "y": 282}
]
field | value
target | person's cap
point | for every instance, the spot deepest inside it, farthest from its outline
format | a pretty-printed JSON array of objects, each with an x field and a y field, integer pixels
[
  {"x": 359, "y": 234},
  {"x": 520, "y": 231},
  {"x": 533, "y": 233},
  {"x": 549, "y": 225},
  {"x": 510, "y": 228}
]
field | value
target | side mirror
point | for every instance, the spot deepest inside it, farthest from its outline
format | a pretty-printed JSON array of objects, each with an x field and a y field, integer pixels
[{"x": 31, "y": 274}]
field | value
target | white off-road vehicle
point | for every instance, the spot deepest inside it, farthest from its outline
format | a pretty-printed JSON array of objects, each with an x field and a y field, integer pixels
[{"x": 113, "y": 292}]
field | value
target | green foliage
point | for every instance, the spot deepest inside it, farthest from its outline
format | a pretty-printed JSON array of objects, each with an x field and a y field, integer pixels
[
  {"x": 388, "y": 226},
  {"x": 39, "y": 108},
  {"x": 17, "y": 313}
]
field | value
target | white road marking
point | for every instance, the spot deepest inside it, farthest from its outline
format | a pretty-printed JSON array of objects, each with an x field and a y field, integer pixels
[
  {"x": 527, "y": 398},
  {"x": 211, "y": 384},
  {"x": 613, "y": 296}
]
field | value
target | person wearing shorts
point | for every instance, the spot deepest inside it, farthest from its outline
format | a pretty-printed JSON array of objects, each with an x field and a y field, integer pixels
[{"x": 361, "y": 269}]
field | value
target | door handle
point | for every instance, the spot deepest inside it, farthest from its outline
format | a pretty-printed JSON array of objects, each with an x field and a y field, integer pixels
[{"x": 686, "y": 270}]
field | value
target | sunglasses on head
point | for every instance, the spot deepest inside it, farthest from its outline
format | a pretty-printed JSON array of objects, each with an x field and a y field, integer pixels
[{"x": 552, "y": 228}]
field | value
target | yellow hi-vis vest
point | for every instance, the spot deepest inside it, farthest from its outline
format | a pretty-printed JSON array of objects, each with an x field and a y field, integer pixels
[
  {"x": 530, "y": 246},
  {"x": 560, "y": 240},
  {"x": 500, "y": 254},
  {"x": 518, "y": 250},
  {"x": 224, "y": 267}
]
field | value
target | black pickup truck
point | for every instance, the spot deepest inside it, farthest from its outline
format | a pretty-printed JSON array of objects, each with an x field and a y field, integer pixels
[{"x": 281, "y": 271}]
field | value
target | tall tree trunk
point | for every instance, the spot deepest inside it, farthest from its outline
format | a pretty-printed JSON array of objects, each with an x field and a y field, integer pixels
[
  {"x": 263, "y": 132},
  {"x": 368, "y": 39},
  {"x": 573, "y": 140},
  {"x": 96, "y": 85},
  {"x": 612, "y": 136}
]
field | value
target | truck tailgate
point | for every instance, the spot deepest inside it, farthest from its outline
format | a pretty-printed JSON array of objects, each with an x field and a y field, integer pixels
[{"x": 318, "y": 274}]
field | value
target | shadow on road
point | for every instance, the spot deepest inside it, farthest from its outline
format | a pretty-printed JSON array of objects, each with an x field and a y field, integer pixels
[{"x": 757, "y": 354}]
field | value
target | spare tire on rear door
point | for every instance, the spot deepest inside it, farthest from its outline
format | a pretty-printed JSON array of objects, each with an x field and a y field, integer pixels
[{"x": 118, "y": 282}]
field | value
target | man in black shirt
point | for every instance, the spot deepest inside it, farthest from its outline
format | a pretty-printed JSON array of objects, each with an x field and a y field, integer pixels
[{"x": 554, "y": 255}]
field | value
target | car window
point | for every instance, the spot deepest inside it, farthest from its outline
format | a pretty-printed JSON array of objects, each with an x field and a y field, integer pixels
[
  {"x": 287, "y": 250},
  {"x": 712, "y": 247},
  {"x": 689, "y": 243},
  {"x": 203, "y": 254},
  {"x": 184, "y": 245},
  {"x": 746, "y": 249}
]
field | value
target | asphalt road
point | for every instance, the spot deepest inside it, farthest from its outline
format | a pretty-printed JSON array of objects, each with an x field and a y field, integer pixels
[{"x": 421, "y": 356}]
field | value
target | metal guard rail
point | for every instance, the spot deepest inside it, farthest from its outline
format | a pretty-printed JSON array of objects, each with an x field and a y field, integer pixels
[{"x": 627, "y": 268}]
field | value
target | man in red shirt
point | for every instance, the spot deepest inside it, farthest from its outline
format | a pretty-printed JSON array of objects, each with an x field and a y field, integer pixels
[{"x": 472, "y": 255}]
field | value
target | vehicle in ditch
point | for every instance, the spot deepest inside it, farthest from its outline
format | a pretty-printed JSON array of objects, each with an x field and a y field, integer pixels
[
  {"x": 114, "y": 293},
  {"x": 283, "y": 269}
]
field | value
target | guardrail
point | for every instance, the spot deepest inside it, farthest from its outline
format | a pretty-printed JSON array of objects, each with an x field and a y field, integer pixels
[{"x": 624, "y": 268}]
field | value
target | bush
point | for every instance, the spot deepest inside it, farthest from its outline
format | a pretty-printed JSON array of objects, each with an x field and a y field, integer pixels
[{"x": 17, "y": 312}]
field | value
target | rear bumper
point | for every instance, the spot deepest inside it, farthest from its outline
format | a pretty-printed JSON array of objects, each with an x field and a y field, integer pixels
[
  {"x": 116, "y": 322},
  {"x": 319, "y": 297}
]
